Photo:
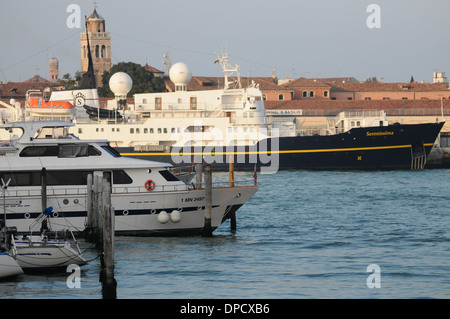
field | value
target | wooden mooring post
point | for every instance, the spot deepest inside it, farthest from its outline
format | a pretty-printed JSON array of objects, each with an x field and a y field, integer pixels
[
  {"x": 207, "y": 229},
  {"x": 198, "y": 175},
  {"x": 100, "y": 230},
  {"x": 232, "y": 214}
]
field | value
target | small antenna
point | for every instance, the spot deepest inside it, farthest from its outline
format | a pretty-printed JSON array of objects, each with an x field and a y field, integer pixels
[{"x": 167, "y": 63}]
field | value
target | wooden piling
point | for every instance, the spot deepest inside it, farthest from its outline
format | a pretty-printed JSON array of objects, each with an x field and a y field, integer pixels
[
  {"x": 232, "y": 215},
  {"x": 198, "y": 175},
  {"x": 207, "y": 229},
  {"x": 231, "y": 171},
  {"x": 43, "y": 189}
]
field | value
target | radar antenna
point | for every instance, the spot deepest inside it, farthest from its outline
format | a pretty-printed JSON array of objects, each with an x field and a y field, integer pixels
[
  {"x": 229, "y": 71},
  {"x": 167, "y": 63}
]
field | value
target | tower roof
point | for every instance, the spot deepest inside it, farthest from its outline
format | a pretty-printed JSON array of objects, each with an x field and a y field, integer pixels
[{"x": 95, "y": 16}]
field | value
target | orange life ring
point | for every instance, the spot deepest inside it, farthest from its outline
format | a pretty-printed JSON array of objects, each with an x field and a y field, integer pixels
[{"x": 149, "y": 185}]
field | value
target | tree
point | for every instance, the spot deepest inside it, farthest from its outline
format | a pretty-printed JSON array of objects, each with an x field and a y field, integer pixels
[
  {"x": 143, "y": 80},
  {"x": 412, "y": 79},
  {"x": 67, "y": 81},
  {"x": 372, "y": 80}
]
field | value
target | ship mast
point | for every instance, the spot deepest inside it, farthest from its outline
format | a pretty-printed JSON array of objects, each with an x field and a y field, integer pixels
[{"x": 228, "y": 71}]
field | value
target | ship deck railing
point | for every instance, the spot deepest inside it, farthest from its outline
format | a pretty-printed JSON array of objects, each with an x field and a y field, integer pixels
[{"x": 14, "y": 195}]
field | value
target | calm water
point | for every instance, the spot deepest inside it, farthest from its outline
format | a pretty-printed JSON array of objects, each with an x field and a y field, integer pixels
[{"x": 303, "y": 235}]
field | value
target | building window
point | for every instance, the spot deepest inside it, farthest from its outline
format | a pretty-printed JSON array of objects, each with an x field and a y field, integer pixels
[
  {"x": 325, "y": 93},
  {"x": 386, "y": 98},
  {"x": 158, "y": 103},
  {"x": 103, "y": 51},
  {"x": 311, "y": 93},
  {"x": 193, "y": 103},
  {"x": 305, "y": 94},
  {"x": 97, "y": 49},
  {"x": 368, "y": 98},
  {"x": 280, "y": 97}
]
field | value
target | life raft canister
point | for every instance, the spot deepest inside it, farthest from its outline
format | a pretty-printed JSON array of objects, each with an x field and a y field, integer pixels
[{"x": 149, "y": 185}]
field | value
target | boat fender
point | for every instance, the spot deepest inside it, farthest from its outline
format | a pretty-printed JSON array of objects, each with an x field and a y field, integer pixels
[
  {"x": 175, "y": 216},
  {"x": 163, "y": 217},
  {"x": 149, "y": 185}
]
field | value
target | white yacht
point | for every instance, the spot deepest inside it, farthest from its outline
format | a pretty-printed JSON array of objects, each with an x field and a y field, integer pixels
[
  {"x": 140, "y": 189},
  {"x": 9, "y": 266}
]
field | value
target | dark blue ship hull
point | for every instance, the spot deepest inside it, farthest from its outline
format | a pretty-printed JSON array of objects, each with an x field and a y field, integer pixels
[{"x": 397, "y": 146}]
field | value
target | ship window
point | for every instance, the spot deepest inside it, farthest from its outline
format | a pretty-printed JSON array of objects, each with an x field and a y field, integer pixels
[
  {"x": 131, "y": 130},
  {"x": 165, "y": 130},
  {"x": 121, "y": 177},
  {"x": 168, "y": 176},
  {"x": 74, "y": 150},
  {"x": 111, "y": 150},
  {"x": 63, "y": 150},
  {"x": 34, "y": 151},
  {"x": 159, "y": 130},
  {"x": 137, "y": 131},
  {"x": 151, "y": 131},
  {"x": 145, "y": 130}
]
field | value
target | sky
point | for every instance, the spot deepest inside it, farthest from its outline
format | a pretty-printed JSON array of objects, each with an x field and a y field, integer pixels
[{"x": 300, "y": 38}]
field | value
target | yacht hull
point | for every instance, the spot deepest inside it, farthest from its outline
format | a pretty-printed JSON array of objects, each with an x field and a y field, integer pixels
[
  {"x": 136, "y": 213},
  {"x": 9, "y": 266}
]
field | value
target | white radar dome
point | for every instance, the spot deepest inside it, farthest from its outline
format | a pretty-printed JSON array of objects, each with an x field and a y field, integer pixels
[
  {"x": 180, "y": 74},
  {"x": 120, "y": 83}
]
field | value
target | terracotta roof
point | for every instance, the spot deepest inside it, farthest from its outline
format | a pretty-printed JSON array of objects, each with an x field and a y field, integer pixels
[
  {"x": 337, "y": 80},
  {"x": 37, "y": 79},
  {"x": 355, "y": 104},
  {"x": 200, "y": 83},
  {"x": 306, "y": 83},
  {"x": 95, "y": 15},
  {"x": 152, "y": 69},
  {"x": 19, "y": 89},
  {"x": 389, "y": 87}
]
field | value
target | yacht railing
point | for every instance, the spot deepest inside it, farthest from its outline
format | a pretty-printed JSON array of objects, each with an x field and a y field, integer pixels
[{"x": 16, "y": 194}]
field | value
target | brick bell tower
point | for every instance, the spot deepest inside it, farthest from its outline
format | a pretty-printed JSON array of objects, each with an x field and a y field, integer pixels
[{"x": 100, "y": 44}]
